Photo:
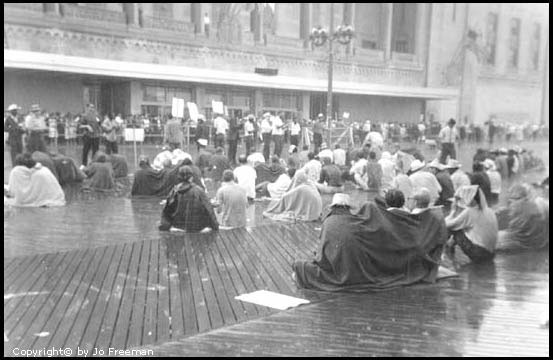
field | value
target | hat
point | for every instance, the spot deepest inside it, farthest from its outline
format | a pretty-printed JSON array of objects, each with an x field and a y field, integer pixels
[
  {"x": 267, "y": 114},
  {"x": 35, "y": 107},
  {"x": 13, "y": 107},
  {"x": 202, "y": 142},
  {"x": 503, "y": 151},
  {"x": 320, "y": 115},
  {"x": 324, "y": 146},
  {"x": 416, "y": 165},
  {"x": 465, "y": 194},
  {"x": 291, "y": 148},
  {"x": 453, "y": 164},
  {"x": 340, "y": 199},
  {"x": 436, "y": 164},
  {"x": 489, "y": 164}
]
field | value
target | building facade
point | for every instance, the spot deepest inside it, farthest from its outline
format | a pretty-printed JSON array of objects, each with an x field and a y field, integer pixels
[{"x": 133, "y": 58}]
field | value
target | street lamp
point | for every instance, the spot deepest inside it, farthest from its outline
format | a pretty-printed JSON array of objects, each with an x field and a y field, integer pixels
[{"x": 319, "y": 36}]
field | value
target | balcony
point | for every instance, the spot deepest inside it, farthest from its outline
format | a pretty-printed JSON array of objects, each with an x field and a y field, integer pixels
[
  {"x": 95, "y": 14},
  {"x": 167, "y": 24}
]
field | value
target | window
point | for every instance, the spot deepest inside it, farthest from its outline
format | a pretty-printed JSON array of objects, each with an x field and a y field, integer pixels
[
  {"x": 153, "y": 94},
  {"x": 403, "y": 27},
  {"x": 163, "y": 10},
  {"x": 514, "y": 40},
  {"x": 164, "y": 95},
  {"x": 535, "y": 50},
  {"x": 281, "y": 101},
  {"x": 491, "y": 38}
]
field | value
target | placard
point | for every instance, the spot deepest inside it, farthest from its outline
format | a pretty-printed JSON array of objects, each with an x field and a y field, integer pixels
[
  {"x": 134, "y": 135},
  {"x": 272, "y": 299},
  {"x": 178, "y": 108},
  {"x": 217, "y": 107},
  {"x": 345, "y": 115},
  {"x": 193, "y": 111}
]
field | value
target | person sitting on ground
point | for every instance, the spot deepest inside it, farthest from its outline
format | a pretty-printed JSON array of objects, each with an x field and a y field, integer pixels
[
  {"x": 339, "y": 156},
  {"x": 67, "y": 170},
  {"x": 402, "y": 183},
  {"x": 204, "y": 158},
  {"x": 276, "y": 189},
  {"x": 313, "y": 168},
  {"x": 293, "y": 157},
  {"x": 161, "y": 157},
  {"x": 187, "y": 207},
  {"x": 388, "y": 170},
  {"x": 395, "y": 200},
  {"x": 32, "y": 185},
  {"x": 45, "y": 160},
  {"x": 444, "y": 179},
  {"x": 472, "y": 225},
  {"x": 119, "y": 165},
  {"x": 303, "y": 156},
  {"x": 99, "y": 173},
  {"x": 178, "y": 156},
  {"x": 150, "y": 182},
  {"x": 255, "y": 159},
  {"x": 420, "y": 201},
  {"x": 301, "y": 203},
  {"x": 232, "y": 201},
  {"x": 219, "y": 163},
  {"x": 495, "y": 181},
  {"x": 246, "y": 176},
  {"x": 480, "y": 178},
  {"x": 330, "y": 181},
  {"x": 402, "y": 159},
  {"x": 374, "y": 249},
  {"x": 528, "y": 226},
  {"x": 374, "y": 174},
  {"x": 458, "y": 177},
  {"x": 501, "y": 163},
  {"x": 269, "y": 172},
  {"x": 358, "y": 170},
  {"x": 326, "y": 152},
  {"x": 198, "y": 179},
  {"x": 420, "y": 179}
]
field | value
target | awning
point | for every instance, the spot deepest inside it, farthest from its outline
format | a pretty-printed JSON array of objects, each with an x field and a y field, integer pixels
[{"x": 92, "y": 66}]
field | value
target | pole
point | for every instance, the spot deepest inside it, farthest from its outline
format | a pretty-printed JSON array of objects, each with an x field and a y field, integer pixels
[
  {"x": 330, "y": 65},
  {"x": 134, "y": 145}
]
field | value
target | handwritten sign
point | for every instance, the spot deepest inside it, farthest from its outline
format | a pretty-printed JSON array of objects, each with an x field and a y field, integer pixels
[
  {"x": 217, "y": 107},
  {"x": 178, "y": 108},
  {"x": 346, "y": 115},
  {"x": 193, "y": 111},
  {"x": 134, "y": 135}
]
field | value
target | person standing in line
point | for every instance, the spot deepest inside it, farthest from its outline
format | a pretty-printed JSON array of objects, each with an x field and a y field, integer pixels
[
  {"x": 278, "y": 135},
  {"x": 295, "y": 130},
  {"x": 173, "y": 133},
  {"x": 207, "y": 23},
  {"x": 233, "y": 137},
  {"x": 318, "y": 129},
  {"x": 53, "y": 130},
  {"x": 249, "y": 130},
  {"x": 374, "y": 176},
  {"x": 110, "y": 128},
  {"x": 266, "y": 129},
  {"x": 90, "y": 126},
  {"x": 448, "y": 135},
  {"x": 35, "y": 124},
  {"x": 221, "y": 127},
  {"x": 15, "y": 132},
  {"x": 202, "y": 131}
]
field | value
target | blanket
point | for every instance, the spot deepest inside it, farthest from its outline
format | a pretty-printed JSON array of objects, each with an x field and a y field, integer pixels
[
  {"x": 119, "y": 165},
  {"x": 302, "y": 203},
  {"x": 34, "y": 188},
  {"x": 374, "y": 250},
  {"x": 268, "y": 173},
  {"x": 149, "y": 182},
  {"x": 46, "y": 161}
]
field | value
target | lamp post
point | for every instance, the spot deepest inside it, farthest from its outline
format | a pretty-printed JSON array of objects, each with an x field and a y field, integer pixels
[{"x": 319, "y": 36}]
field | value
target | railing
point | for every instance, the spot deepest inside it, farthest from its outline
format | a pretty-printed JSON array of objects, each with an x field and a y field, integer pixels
[
  {"x": 167, "y": 24},
  {"x": 88, "y": 13}
]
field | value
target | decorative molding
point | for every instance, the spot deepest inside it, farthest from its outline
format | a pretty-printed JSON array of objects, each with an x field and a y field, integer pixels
[
  {"x": 90, "y": 13},
  {"x": 34, "y": 7},
  {"x": 168, "y": 24}
]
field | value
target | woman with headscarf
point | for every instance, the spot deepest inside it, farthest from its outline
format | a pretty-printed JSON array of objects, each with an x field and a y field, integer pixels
[
  {"x": 33, "y": 185},
  {"x": 472, "y": 225},
  {"x": 528, "y": 221},
  {"x": 301, "y": 203}
]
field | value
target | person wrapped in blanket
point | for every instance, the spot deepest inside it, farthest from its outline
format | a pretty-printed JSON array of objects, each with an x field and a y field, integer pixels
[
  {"x": 381, "y": 247},
  {"x": 187, "y": 207}
]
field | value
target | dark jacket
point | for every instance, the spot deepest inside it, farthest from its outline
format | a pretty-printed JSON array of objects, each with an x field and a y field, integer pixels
[
  {"x": 15, "y": 132},
  {"x": 188, "y": 208}
]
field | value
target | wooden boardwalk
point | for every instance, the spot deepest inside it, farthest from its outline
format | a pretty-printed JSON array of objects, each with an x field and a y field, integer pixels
[{"x": 148, "y": 292}]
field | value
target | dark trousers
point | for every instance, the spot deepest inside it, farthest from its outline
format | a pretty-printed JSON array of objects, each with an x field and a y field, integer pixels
[
  {"x": 248, "y": 140},
  {"x": 220, "y": 141},
  {"x": 294, "y": 140},
  {"x": 111, "y": 147},
  {"x": 232, "y": 147},
  {"x": 447, "y": 149},
  {"x": 266, "y": 145},
  {"x": 90, "y": 144},
  {"x": 15, "y": 149},
  {"x": 474, "y": 252},
  {"x": 279, "y": 141},
  {"x": 318, "y": 140}
]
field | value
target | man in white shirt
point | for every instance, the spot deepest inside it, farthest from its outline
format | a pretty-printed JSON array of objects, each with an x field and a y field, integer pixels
[
  {"x": 266, "y": 129},
  {"x": 221, "y": 126},
  {"x": 339, "y": 155},
  {"x": 313, "y": 168},
  {"x": 295, "y": 130},
  {"x": 422, "y": 130},
  {"x": 278, "y": 134},
  {"x": 375, "y": 139},
  {"x": 420, "y": 179},
  {"x": 245, "y": 176},
  {"x": 448, "y": 135}
]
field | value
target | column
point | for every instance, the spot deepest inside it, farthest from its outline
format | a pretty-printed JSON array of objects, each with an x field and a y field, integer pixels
[
  {"x": 388, "y": 31},
  {"x": 199, "y": 97},
  {"x": 136, "y": 97},
  {"x": 305, "y": 105},
  {"x": 197, "y": 17},
  {"x": 420, "y": 31},
  {"x": 258, "y": 102}
]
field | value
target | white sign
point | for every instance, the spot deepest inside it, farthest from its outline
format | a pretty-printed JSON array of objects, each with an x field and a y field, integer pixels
[
  {"x": 346, "y": 115},
  {"x": 193, "y": 111},
  {"x": 134, "y": 135},
  {"x": 272, "y": 299},
  {"x": 217, "y": 107},
  {"x": 178, "y": 108}
]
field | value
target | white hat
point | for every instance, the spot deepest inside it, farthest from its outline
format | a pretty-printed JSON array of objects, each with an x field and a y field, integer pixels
[
  {"x": 320, "y": 115},
  {"x": 202, "y": 142},
  {"x": 324, "y": 146},
  {"x": 453, "y": 164},
  {"x": 503, "y": 150},
  {"x": 340, "y": 199},
  {"x": 436, "y": 164},
  {"x": 267, "y": 114},
  {"x": 13, "y": 107},
  {"x": 416, "y": 165},
  {"x": 291, "y": 148}
]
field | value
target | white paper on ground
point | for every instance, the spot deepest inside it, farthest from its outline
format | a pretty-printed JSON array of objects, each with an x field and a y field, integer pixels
[{"x": 272, "y": 299}]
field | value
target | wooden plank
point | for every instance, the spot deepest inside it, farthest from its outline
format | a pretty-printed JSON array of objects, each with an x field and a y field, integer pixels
[
  {"x": 65, "y": 291},
  {"x": 62, "y": 332},
  {"x": 106, "y": 292},
  {"x": 122, "y": 323},
  {"x": 139, "y": 301},
  {"x": 19, "y": 267},
  {"x": 91, "y": 296},
  {"x": 149, "y": 332},
  {"x": 11, "y": 264},
  {"x": 29, "y": 311},
  {"x": 25, "y": 275},
  {"x": 221, "y": 294},
  {"x": 163, "y": 310},
  {"x": 105, "y": 336},
  {"x": 200, "y": 301},
  {"x": 176, "y": 301}
]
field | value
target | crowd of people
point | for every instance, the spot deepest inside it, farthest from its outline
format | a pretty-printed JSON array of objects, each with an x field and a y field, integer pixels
[{"x": 414, "y": 206}]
